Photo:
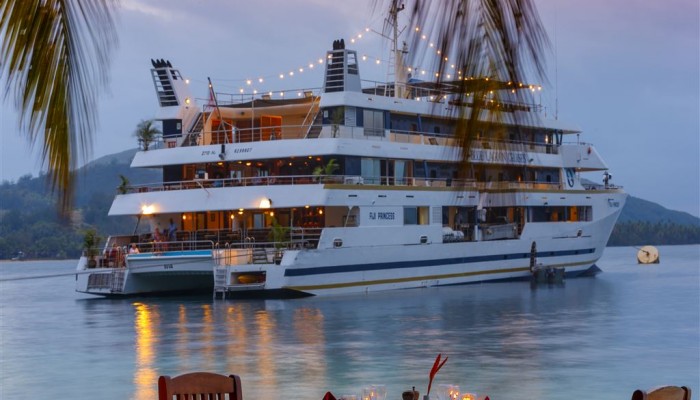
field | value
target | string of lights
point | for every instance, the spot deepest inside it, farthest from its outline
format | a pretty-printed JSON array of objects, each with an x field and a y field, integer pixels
[{"x": 248, "y": 87}]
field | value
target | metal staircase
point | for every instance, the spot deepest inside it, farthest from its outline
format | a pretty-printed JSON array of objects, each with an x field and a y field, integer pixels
[
  {"x": 260, "y": 256},
  {"x": 194, "y": 131},
  {"x": 316, "y": 126}
]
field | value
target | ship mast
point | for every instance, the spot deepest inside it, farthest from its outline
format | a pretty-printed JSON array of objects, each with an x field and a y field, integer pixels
[{"x": 399, "y": 71}]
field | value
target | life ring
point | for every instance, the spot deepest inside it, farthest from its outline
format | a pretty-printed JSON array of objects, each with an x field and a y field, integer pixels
[{"x": 570, "y": 178}]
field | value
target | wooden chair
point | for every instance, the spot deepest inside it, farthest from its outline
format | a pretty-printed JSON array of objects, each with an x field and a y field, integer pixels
[
  {"x": 200, "y": 386},
  {"x": 663, "y": 393}
]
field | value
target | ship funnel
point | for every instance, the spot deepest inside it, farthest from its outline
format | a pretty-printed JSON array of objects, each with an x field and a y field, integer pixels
[
  {"x": 178, "y": 107},
  {"x": 342, "y": 70},
  {"x": 170, "y": 88}
]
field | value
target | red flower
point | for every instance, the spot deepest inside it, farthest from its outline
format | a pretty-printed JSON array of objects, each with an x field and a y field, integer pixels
[{"x": 435, "y": 369}]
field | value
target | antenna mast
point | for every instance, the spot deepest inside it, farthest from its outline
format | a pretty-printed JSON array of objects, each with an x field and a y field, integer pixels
[
  {"x": 556, "y": 67},
  {"x": 396, "y": 7}
]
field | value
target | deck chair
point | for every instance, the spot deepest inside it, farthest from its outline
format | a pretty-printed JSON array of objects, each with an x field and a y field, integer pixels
[
  {"x": 200, "y": 386},
  {"x": 663, "y": 393}
]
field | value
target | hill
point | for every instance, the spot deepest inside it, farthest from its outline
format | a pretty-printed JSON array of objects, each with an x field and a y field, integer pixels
[
  {"x": 640, "y": 210},
  {"x": 29, "y": 222}
]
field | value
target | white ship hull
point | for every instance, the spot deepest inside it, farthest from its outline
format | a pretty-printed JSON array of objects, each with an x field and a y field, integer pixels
[
  {"x": 391, "y": 267},
  {"x": 343, "y": 270},
  {"x": 147, "y": 274}
]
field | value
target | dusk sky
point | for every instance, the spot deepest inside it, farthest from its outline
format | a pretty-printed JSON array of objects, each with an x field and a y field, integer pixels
[{"x": 628, "y": 74}]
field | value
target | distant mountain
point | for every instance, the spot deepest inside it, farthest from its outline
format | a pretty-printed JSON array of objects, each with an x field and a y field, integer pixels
[
  {"x": 639, "y": 210},
  {"x": 29, "y": 221}
]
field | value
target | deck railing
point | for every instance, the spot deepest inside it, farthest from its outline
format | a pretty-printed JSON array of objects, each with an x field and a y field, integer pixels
[
  {"x": 231, "y": 135},
  {"x": 468, "y": 184},
  {"x": 207, "y": 239},
  {"x": 298, "y": 180}
]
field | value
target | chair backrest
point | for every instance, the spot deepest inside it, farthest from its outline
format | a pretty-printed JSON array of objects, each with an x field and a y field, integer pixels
[
  {"x": 200, "y": 386},
  {"x": 663, "y": 393}
]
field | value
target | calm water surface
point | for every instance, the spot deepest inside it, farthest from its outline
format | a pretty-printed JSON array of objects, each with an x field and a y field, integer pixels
[{"x": 595, "y": 338}]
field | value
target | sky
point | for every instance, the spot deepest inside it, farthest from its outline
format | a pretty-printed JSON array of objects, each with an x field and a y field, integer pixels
[{"x": 626, "y": 72}]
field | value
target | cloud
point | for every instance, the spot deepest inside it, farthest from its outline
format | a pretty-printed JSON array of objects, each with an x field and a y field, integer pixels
[{"x": 141, "y": 7}]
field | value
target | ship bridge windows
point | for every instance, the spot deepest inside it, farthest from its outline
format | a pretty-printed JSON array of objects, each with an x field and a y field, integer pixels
[
  {"x": 371, "y": 171},
  {"x": 416, "y": 215},
  {"x": 375, "y": 171},
  {"x": 412, "y": 124},
  {"x": 373, "y": 122},
  {"x": 433, "y": 170},
  {"x": 559, "y": 213}
]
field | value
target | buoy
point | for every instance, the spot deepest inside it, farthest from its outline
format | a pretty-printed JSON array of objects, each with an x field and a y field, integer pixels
[{"x": 648, "y": 255}]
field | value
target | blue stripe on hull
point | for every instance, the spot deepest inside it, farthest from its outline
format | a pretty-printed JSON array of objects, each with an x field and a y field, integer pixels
[
  {"x": 427, "y": 263},
  {"x": 185, "y": 253}
]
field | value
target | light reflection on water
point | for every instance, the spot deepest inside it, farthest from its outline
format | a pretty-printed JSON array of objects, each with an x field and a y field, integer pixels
[
  {"x": 590, "y": 337},
  {"x": 146, "y": 323}
]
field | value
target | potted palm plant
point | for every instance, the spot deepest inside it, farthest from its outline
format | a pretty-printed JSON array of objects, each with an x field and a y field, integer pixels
[
  {"x": 146, "y": 133},
  {"x": 90, "y": 242},
  {"x": 124, "y": 185},
  {"x": 279, "y": 234},
  {"x": 323, "y": 172}
]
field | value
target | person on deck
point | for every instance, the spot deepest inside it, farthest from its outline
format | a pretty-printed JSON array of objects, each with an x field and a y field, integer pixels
[
  {"x": 171, "y": 231},
  {"x": 157, "y": 240}
]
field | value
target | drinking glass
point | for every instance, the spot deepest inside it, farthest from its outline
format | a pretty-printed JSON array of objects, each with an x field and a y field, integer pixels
[
  {"x": 454, "y": 392},
  {"x": 443, "y": 392},
  {"x": 367, "y": 393},
  {"x": 379, "y": 392}
]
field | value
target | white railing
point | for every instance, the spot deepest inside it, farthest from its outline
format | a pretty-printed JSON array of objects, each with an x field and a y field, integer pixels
[{"x": 300, "y": 180}]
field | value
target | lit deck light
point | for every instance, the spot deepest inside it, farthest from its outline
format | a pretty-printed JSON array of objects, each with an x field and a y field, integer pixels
[{"x": 265, "y": 203}]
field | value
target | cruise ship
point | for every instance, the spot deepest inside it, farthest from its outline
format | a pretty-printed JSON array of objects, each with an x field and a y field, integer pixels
[{"x": 353, "y": 187}]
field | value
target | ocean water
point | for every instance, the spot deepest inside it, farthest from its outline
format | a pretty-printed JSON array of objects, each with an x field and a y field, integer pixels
[{"x": 599, "y": 338}]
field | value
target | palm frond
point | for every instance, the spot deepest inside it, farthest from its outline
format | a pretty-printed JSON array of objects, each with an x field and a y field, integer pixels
[
  {"x": 479, "y": 42},
  {"x": 54, "y": 57}
]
